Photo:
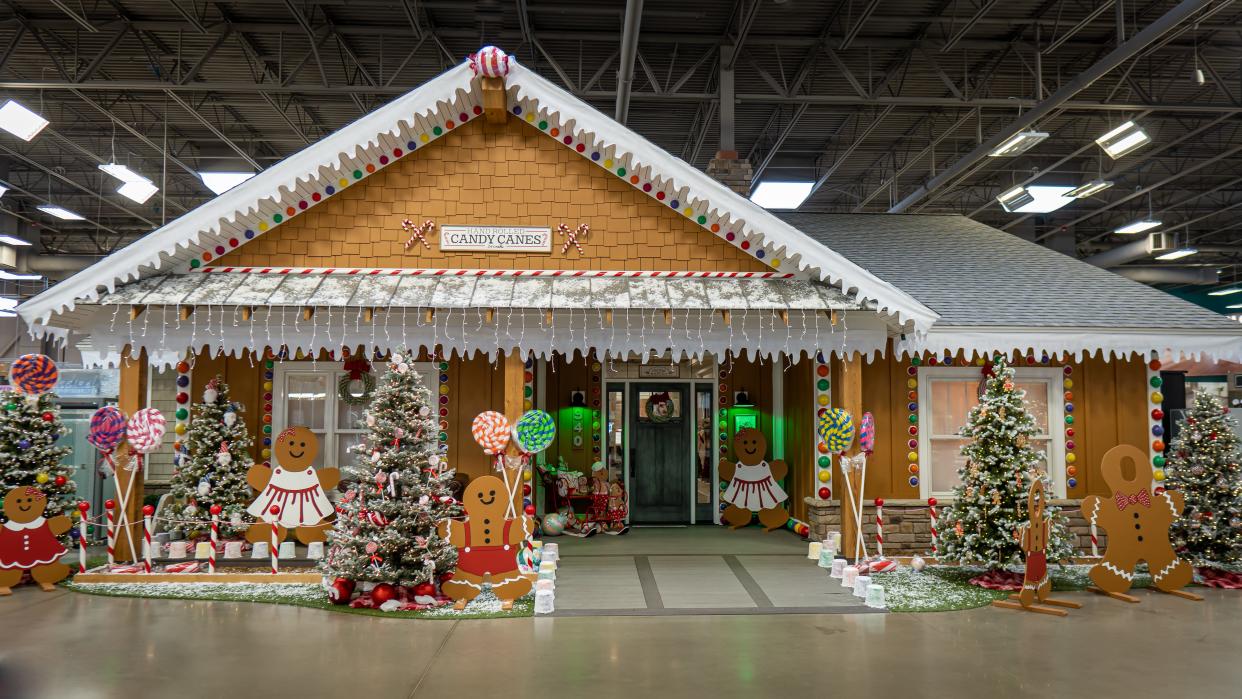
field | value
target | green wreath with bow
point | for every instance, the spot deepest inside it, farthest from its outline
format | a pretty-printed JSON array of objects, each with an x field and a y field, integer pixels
[{"x": 357, "y": 368}]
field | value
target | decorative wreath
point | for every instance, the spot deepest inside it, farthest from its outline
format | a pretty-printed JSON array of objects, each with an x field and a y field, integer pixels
[
  {"x": 368, "y": 385},
  {"x": 661, "y": 408}
]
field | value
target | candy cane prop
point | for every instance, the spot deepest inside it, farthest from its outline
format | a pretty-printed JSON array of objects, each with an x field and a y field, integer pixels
[
  {"x": 147, "y": 511},
  {"x": 931, "y": 507},
  {"x": 109, "y": 509},
  {"x": 83, "y": 507},
  {"x": 879, "y": 527},
  {"x": 417, "y": 233},
  {"x": 571, "y": 237},
  {"x": 275, "y": 537},
  {"x": 1095, "y": 541},
  {"x": 215, "y": 536}
]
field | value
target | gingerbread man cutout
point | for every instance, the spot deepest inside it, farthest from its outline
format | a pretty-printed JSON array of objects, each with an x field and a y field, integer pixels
[
  {"x": 487, "y": 545},
  {"x": 28, "y": 541},
  {"x": 293, "y": 485},
  {"x": 1137, "y": 523},
  {"x": 753, "y": 483},
  {"x": 1037, "y": 582}
]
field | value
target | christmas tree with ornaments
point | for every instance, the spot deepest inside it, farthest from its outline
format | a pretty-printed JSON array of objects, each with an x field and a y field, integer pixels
[
  {"x": 1203, "y": 465},
  {"x": 398, "y": 490},
  {"x": 980, "y": 526},
  {"x": 30, "y": 450},
  {"x": 212, "y": 469}
]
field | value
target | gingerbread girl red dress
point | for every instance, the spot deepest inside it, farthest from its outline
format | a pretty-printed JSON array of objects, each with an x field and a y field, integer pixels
[{"x": 28, "y": 540}]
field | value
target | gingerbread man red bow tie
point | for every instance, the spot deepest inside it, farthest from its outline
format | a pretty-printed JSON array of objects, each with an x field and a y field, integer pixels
[{"x": 1123, "y": 501}]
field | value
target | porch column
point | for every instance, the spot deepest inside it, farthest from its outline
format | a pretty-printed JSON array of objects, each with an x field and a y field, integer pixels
[
  {"x": 514, "y": 371},
  {"x": 132, "y": 398},
  {"x": 847, "y": 395}
]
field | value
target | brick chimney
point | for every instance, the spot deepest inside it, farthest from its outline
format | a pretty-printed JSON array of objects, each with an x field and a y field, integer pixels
[{"x": 731, "y": 171}]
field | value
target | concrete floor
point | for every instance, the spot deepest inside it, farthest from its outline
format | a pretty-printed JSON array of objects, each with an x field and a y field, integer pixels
[
  {"x": 694, "y": 570},
  {"x": 112, "y": 647}
]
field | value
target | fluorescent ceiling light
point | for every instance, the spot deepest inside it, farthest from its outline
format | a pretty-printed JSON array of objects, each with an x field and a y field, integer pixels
[
  {"x": 13, "y": 240},
  {"x": 781, "y": 195},
  {"x": 15, "y": 277},
  {"x": 1092, "y": 187},
  {"x": 121, "y": 172},
  {"x": 20, "y": 122},
  {"x": 139, "y": 190},
  {"x": 60, "y": 213},
  {"x": 1225, "y": 292},
  {"x": 1018, "y": 143},
  {"x": 1122, "y": 140},
  {"x": 1045, "y": 198},
  {"x": 1015, "y": 198},
  {"x": 1178, "y": 254},
  {"x": 221, "y": 182},
  {"x": 1138, "y": 226}
]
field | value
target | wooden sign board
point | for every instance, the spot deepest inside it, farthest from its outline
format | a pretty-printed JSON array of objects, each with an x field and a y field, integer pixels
[
  {"x": 495, "y": 239},
  {"x": 659, "y": 371}
]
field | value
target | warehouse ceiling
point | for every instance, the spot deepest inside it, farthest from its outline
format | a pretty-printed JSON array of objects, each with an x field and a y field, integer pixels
[{"x": 883, "y": 106}]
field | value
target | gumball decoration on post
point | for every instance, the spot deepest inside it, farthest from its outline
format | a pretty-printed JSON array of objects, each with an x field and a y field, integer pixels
[{"x": 823, "y": 458}]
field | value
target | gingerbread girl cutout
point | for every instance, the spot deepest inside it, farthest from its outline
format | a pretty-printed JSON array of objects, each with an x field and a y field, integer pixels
[
  {"x": 293, "y": 485},
  {"x": 28, "y": 541},
  {"x": 1037, "y": 582},
  {"x": 1137, "y": 522},
  {"x": 753, "y": 485},
  {"x": 487, "y": 545}
]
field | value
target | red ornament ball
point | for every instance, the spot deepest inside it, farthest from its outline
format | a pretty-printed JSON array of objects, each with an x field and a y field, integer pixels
[
  {"x": 445, "y": 577},
  {"x": 825, "y": 493},
  {"x": 60, "y": 481},
  {"x": 879, "y": 502},
  {"x": 931, "y": 502},
  {"x": 526, "y": 488},
  {"x": 215, "y": 509},
  {"x": 1158, "y": 414},
  {"x": 341, "y": 590},
  {"x": 1154, "y": 365},
  {"x": 183, "y": 367},
  {"x": 48, "y": 416},
  {"x": 383, "y": 592},
  {"x": 84, "y": 507},
  {"x": 148, "y": 510},
  {"x": 425, "y": 590},
  {"x": 109, "y": 504},
  {"x": 274, "y": 509},
  {"x": 529, "y": 510}
]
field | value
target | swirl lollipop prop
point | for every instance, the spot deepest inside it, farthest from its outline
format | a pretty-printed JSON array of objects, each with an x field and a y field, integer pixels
[
  {"x": 107, "y": 429},
  {"x": 534, "y": 431},
  {"x": 491, "y": 430},
  {"x": 144, "y": 432},
  {"x": 836, "y": 429},
  {"x": 866, "y": 434},
  {"x": 34, "y": 374}
]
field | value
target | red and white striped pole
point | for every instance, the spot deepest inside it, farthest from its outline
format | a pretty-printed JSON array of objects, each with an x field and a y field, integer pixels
[
  {"x": 83, "y": 507},
  {"x": 275, "y": 538},
  {"x": 1095, "y": 541},
  {"x": 147, "y": 512},
  {"x": 931, "y": 504},
  {"x": 110, "y": 511},
  {"x": 215, "y": 536},
  {"x": 879, "y": 527}
]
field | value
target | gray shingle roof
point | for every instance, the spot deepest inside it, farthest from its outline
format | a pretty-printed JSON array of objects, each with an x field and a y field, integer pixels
[{"x": 976, "y": 275}]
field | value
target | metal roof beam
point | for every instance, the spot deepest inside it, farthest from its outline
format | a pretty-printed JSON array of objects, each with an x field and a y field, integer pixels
[
  {"x": 212, "y": 128},
  {"x": 858, "y": 24},
  {"x": 823, "y": 179},
  {"x": 970, "y": 24},
  {"x": 629, "y": 54},
  {"x": 1126, "y": 51}
]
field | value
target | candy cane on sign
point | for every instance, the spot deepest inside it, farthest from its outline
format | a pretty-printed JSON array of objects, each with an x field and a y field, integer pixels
[{"x": 931, "y": 507}]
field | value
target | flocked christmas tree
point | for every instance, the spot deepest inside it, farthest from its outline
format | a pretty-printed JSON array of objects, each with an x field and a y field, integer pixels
[
  {"x": 212, "y": 471},
  {"x": 30, "y": 452},
  {"x": 990, "y": 503},
  {"x": 398, "y": 490},
  {"x": 1203, "y": 465}
]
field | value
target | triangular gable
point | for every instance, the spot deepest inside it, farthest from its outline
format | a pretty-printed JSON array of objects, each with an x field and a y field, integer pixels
[{"x": 369, "y": 144}]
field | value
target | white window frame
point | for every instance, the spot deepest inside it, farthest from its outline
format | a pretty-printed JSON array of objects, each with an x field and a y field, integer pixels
[
  {"x": 1053, "y": 376},
  {"x": 334, "y": 371}
]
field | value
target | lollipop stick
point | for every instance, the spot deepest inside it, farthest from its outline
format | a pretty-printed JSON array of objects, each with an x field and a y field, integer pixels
[{"x": 123, "y": 523}]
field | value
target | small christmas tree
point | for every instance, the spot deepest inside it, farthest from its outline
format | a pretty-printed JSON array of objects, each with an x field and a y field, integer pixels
[
  {"x": 990, "y": 503},
  {"x": 212, "y": 471},
  {"x": 1203, "y": 465},
  {"x": 30, "y": 455},
  {"x": 398, "y": 490}
]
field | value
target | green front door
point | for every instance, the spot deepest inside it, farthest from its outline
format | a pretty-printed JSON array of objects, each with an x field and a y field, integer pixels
[{"x": 660, "y": 451}]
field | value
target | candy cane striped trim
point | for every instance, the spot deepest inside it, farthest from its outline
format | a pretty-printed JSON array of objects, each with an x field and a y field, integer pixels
[{"x": 403, "y": 272}]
